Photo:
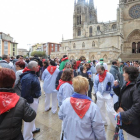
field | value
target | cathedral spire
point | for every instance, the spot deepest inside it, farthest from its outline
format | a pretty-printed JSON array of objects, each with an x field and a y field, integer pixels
[
  {"x": 91, "y": 3},
  {"x": 81, "y": 1}
]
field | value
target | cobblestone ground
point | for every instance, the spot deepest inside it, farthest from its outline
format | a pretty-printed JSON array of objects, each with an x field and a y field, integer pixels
[{"x": 50, "y": 124}]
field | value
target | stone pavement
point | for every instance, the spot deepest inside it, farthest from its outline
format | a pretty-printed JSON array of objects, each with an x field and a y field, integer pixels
[{"x": 50, "y": 124}]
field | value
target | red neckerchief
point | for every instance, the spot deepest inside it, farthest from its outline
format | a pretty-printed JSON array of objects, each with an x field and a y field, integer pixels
[
  {"x": 51, "y": 69},
  {"x": 128, "y": 83},
  {"x": 102, "y": 77},
  {"x": 63, "y": 59},
  {"x": 61, "y": 82},
  {"x": 7, "y": 101},
  {"x": 80, "y": 106},
  {"x": 26, "y": 69}
]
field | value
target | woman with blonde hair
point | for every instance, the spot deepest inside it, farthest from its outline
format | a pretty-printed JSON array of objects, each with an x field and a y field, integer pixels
[{"x": 80, "y": 115}]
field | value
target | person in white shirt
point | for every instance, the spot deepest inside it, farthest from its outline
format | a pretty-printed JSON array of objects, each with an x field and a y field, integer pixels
[
  {"x": 65, "y": 86},
  {"x": 81, "y": 116}
]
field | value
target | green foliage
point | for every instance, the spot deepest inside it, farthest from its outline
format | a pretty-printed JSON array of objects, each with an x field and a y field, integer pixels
[{"x": 38, "y": 53}]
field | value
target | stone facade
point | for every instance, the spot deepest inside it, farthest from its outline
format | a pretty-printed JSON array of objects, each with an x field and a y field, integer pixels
[{"x": 110, "y": 40}]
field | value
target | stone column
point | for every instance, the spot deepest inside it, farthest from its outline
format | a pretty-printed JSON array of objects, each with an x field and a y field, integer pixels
[{"x": 136, "y": 47}]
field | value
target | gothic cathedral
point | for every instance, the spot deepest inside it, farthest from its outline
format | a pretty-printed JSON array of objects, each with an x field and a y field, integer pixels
[{"x": 108, "y": 40}]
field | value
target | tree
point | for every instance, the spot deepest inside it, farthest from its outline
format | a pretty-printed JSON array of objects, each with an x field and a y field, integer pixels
[{"x": 38, "y": 53}]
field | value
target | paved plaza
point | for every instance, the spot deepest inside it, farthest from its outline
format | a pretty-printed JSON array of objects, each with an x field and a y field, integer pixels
[{"x": 50, "y": 124}]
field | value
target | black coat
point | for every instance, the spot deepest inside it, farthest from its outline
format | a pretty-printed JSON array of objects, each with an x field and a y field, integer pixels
[
  {"x": 129, "y": 100},
  {"x": 10, "y": 127}
]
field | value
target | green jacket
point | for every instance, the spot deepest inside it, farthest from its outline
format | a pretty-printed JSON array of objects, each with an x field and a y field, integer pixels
[{"x": 62, "y": 64}]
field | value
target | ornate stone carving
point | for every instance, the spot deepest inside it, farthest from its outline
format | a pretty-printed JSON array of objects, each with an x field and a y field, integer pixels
[
  {"x": 134, "y": 11},
  {"x": 136, "y": 37}
]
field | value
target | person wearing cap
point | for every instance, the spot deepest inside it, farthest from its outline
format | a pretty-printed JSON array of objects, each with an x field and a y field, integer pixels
[
  {"x": 81, "y": 116},
  {"x": 63, "y": 62},
  {"x": 101, "y": 62}
]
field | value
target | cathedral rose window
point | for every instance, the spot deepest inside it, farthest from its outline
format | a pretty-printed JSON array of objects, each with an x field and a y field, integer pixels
[{"x": 134, "y": 11}]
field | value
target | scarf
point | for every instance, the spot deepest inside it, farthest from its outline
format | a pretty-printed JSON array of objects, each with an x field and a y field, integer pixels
[
  {"x": 51, "y": 69},
  {"x": 61, "y": 82},
  {"x": 128, "y": 83},
  {"x": 26, "y": 69},
  {"x": 63, "y": 59},
  {"x": 80, "y": 104},
  {"x": 102, "y": 77},
  {"x": 8, "y": 101}
]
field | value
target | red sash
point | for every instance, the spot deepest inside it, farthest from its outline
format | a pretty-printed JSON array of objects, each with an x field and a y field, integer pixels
[
  {"x": 80, "y": 106},
  {"x": 26, "y": 69},
  {"x": 51, "y": 69},
  {"x": 102, "y": 77},
  {"x": 7, "y": 101},
  {"x": 63, "y": 59},
  {"x": 61, "y": 82},
  {"x": 128, "y": 83}
]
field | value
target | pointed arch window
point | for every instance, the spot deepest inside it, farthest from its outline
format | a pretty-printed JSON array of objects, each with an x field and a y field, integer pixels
[
  {"x": 98, "y": 28},
  {"x": 78, "y": 20},
  {"x": 79, "y": 32},
  {"x": 93, "y": 44},
  {"x": 74, "y": 45},
  {"x": 83, "y": 45},
  {"x": 90, "y": 31}
]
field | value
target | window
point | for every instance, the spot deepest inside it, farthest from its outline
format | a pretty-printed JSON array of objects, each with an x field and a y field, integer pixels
[
  {"x": 90, "y": 31},
  {"x": 13, "y": 53},
  {"x": 114, "y": 26},
  {"x": 52, "y": 45},
  {"x": 93, "y": 44},
  {"x": 79, "y": 32},
  {"x": 13, "y": 45},
  {"x": 52, "y": 48},
  {"x": 6, "y": 47},
  {"x": 13, "y": 49},
  {"x": 98, "y": 28},
  {"x": 55, "y": 47},
  {"x": 74, "y": 46},
  {"x": 83, "y": 45},
  {"x": 78, "y": 20}
]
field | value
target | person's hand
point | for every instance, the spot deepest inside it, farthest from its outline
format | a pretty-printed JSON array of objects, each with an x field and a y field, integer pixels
[
  {"x": 116, "y": 83},
  {"x": 120, "y": 110}
]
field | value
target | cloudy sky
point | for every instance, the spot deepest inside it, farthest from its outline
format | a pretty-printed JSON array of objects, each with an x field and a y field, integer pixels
[{"x": 40, "y": 21}]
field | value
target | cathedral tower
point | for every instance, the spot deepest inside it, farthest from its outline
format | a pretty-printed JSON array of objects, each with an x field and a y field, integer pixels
[{"x": 84, "y": 14}]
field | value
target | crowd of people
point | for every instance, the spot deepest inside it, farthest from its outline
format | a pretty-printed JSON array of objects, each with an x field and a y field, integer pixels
[{"x": 72, "y": 85}]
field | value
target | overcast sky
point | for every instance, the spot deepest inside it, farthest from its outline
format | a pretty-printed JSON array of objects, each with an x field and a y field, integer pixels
[{"x": 40, "y": 21}]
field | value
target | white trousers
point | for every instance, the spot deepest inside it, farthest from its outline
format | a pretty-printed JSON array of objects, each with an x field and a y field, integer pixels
[
  {"x": 54, "y": 102},
  {"x": 105, "y": 103},
  {"x": 130, "y": 137},
  {"x": 30, "y": 127}
]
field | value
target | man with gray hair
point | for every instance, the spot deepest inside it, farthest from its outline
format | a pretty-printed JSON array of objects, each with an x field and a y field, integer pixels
[
  {"x": 31, "y": 91},
  {"x": 103, "y": 87},
  {"x": 68, "y": 65}
]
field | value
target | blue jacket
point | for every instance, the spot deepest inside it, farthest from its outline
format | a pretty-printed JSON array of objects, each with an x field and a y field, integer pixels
[
  {"x": 30, "y": 86},
  {"x": 102, "y": 87}
]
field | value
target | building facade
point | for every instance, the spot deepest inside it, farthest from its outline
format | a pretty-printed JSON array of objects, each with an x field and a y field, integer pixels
[
  {"x": 22, "y": 52},
  {"x": 7, "y": 45},
  {"x": 109, "y": 40},
  {"x": 48, "y": 47}
]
